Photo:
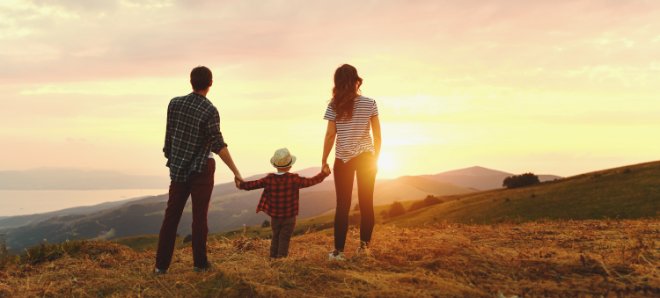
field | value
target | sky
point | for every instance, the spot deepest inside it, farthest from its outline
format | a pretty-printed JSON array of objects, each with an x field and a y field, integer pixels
[{"x": 552, "y": 87}]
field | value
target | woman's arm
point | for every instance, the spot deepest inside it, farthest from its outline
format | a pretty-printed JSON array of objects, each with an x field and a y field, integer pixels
[
  {"x": 330, "y": 134},
  {"x": 375, "y": 127}
]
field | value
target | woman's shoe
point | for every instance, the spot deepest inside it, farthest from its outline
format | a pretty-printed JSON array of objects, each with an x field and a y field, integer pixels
[
  {"x": 336, "y": 256},
  {"x": 363, "y": 250}
]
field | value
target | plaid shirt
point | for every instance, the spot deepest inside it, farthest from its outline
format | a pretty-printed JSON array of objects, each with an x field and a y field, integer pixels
[
  {"x": 193, "y": 131},
  {"x": 280, "y": 196}
]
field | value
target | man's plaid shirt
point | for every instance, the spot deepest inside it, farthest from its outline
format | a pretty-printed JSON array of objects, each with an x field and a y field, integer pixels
[
  {"x": 193, "y": 131},
  {"x": 280, "y": 196}
]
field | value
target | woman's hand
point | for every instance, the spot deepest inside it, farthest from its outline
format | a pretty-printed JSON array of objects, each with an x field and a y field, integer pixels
[{"x": 325, "y": 169}]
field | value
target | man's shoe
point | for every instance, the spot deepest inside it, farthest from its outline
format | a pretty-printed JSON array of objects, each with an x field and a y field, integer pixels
[
  {"x": 206, "y": 268},
  {"x": 159, "y": 271},
  {"x": 336, "y": 256}
]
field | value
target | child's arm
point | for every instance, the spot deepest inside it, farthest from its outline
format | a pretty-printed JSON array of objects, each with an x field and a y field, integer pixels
[
  {"x": 307, "y": 182},
  {"x": 250, "y": 185}
]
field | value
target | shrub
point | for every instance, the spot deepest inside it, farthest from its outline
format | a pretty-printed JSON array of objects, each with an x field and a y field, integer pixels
[
  {"x": 396, "y": 209},
  {"x": 428, "y": 201},
  {"x": 265, "y": 224},
  {"x": 523, "y": 180}
]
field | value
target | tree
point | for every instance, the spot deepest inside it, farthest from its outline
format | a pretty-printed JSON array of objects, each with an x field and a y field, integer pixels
[
  {"x": 396, "y": 209},
  {"x": 523, "y": 180},
  {"x": 265, "y": 224}
]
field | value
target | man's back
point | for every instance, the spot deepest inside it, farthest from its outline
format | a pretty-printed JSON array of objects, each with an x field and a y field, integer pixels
[{"x": 193, "y": 131}]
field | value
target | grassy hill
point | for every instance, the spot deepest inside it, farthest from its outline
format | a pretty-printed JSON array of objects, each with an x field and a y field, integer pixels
[
  {"x": 229, "y": 209},
  {"x": 551, "y": 259},
  {"x": 625, "y": 192},
  {"x": 630, "y": 192},
  {"x": 436, "y": 251}
]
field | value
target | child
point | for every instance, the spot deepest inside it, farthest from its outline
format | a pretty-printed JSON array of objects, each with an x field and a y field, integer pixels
[{"x": 280, "y": 198}]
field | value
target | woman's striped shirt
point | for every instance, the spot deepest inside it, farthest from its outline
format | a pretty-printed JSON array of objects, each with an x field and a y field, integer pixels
[{"x": 354, "y": 135}]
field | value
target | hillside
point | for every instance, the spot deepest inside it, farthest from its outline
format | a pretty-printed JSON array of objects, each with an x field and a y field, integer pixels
[
  {"x": 479, "y": 178},
  {"x": 551, "y": 259},
  {"x": 229, "y": 209},
  {"x": 625, "y": 192}
]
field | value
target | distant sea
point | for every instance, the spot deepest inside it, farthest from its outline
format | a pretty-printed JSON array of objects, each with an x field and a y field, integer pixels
[{"x": 21, "y": 202}]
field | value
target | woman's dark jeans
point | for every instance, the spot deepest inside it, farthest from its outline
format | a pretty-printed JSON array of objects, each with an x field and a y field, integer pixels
[{"x": 364, "y": 167}]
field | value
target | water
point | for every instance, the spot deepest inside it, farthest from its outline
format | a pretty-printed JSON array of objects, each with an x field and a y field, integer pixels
[{"x": 18, "y": 202}]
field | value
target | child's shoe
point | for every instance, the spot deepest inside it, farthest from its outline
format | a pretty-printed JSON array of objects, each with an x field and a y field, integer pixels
[
  {"x": 206, "y": 268},
  {"x": 336, "y": 256}
]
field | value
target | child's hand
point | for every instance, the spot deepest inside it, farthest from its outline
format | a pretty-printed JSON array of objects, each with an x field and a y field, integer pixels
[{"x": 326, "y": 169}]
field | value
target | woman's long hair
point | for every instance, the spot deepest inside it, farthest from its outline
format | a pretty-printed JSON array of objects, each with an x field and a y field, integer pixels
[{"x": 347, "y": 86}]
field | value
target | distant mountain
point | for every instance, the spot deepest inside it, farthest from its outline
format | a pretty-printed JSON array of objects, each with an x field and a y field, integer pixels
[
  {"x": 229, "y": 209},
  {"x": 479, "y": 178},
  {"x": 78, "y": 179},
  {"x": 7, "y": 222}
]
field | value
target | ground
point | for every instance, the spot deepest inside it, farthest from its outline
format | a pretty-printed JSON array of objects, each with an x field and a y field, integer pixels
[{"x": 599, "y": 258}]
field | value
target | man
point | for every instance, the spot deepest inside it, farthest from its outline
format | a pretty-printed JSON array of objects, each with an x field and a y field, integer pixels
[{"x": 193, "y": 133}]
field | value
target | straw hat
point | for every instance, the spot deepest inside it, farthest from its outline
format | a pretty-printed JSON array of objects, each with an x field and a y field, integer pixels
[{"x": 282, "y": 158}]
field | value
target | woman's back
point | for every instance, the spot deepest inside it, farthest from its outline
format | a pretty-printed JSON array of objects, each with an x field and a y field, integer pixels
[{"x": 353, "y": 134}]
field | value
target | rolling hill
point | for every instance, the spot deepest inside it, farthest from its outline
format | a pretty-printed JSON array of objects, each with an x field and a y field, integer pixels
[
  {"x": 468, "y": 245},
  {"x": 625, "y": 192},
  {"x": 479, "y": 178},
  {"x": 229, "y": 209}
]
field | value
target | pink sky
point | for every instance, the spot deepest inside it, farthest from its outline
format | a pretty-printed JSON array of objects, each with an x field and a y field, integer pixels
[{"x": 556, "y": 87}]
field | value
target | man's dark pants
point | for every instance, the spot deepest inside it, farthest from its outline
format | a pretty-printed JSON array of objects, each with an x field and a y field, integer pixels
[
  {"x": 282, "y": 232},
  {"x": 199, "y": 188}
]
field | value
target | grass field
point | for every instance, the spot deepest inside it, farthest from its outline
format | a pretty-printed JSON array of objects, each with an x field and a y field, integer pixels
[
  {"x": 604, "y": 258},
  {"x": 628, "y": 192}
]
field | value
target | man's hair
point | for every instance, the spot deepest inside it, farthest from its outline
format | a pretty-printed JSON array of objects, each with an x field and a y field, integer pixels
[{"x": 200, "y": 78}]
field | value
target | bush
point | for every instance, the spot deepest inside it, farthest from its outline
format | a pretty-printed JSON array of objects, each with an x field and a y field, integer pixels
[
  {"x": 428, "y": 201},
  {"x": 523, "y": 180},
  {"x": 265, "y": 224},
  {"x": 396, "y": 209}
]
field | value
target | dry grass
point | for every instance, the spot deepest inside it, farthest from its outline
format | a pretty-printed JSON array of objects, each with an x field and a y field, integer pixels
[{"x": 554, "y": 259}]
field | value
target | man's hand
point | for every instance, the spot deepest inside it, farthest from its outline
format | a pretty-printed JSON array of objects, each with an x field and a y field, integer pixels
[
  {"x": 326, "y": 169},
  {"x": 238, "y": 180}
]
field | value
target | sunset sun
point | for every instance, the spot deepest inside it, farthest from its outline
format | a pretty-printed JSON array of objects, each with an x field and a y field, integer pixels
[{"x": 386, "y": 165}]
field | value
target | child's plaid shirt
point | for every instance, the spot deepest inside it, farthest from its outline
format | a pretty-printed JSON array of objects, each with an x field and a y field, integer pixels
[{"x": 280, "y": 196}]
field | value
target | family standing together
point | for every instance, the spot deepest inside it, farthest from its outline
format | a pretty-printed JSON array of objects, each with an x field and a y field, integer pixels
[{"x": 193, "y": 135}]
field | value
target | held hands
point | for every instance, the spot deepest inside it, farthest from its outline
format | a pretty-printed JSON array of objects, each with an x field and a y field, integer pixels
[
  {"x": 326, "y": 169},
  {"x": 238, "y": 180}
]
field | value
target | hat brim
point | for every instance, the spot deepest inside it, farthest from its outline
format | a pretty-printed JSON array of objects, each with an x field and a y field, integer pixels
[{"x": 293, "y": 161}]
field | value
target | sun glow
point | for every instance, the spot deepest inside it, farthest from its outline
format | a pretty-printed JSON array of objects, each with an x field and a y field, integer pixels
[{"x": 386, "y": 165}]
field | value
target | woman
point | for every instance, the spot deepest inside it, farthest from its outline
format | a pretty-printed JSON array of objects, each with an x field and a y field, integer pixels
[{"x": 351, "y": 117}]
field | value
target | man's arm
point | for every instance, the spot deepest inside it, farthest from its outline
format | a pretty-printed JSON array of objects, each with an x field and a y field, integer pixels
[
  {"x": 218, "y": 145},
  {"x": 213, "y": 130},
  {"x": 226, "y": 158},
  {"x": 168, "y": 135}
]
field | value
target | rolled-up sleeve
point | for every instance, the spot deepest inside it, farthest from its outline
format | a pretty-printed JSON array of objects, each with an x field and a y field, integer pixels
[
  {"x": 213, "y": 128},
  {"x": 167, "y": 147}
]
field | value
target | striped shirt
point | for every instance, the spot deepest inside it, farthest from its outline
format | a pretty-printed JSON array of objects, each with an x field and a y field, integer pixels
[
  {"x": 354, "y": 135},
  {"x": 193, "y": 132}
]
